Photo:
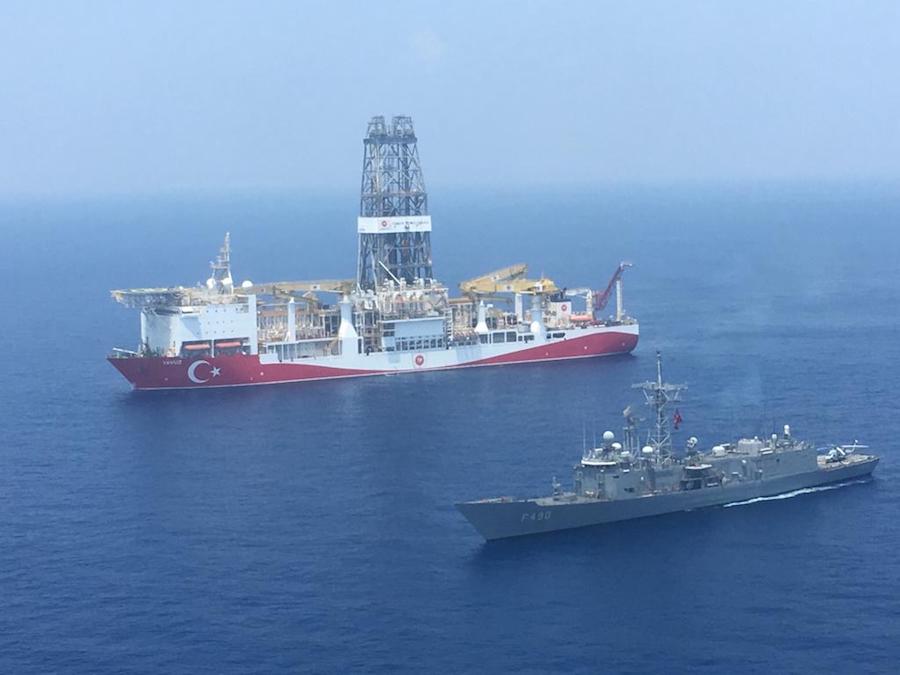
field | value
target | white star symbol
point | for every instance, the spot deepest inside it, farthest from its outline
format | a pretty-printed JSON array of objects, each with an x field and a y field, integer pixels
[{"x": 216, "y": 371}]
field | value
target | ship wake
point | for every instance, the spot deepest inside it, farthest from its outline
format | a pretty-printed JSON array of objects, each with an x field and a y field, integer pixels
[{"x": 797, "y": 493}]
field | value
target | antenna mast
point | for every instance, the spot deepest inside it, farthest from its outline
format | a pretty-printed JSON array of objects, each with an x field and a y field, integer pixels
[
  {"x": 659, "y": 396},
  {"x": 221, "y": 268}
]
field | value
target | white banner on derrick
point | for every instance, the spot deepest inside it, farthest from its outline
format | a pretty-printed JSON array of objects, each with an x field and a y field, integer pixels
[{"x": 392, "y": 224}]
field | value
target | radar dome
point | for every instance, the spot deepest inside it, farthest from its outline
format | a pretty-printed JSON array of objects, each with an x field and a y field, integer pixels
[
  {"x": 647, "y": 450},
  {"x": 246, "y": 283},
  {"x": 210, "y": 283},
  {"x": 608, "y": 436},
  {"x": 616, "y": 446}
]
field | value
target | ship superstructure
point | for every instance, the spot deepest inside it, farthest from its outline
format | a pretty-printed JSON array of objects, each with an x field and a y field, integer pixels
[
  {"x": 393, "y": 317},
  {"x": 633, "y": 479}
]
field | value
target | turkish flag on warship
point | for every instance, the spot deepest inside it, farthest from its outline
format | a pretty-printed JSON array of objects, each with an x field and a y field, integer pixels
[{"x": 676, "y": 419}]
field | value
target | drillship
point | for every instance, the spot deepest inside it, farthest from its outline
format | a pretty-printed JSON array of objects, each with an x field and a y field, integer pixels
[
  {"x": 393, "y": 317},
  {"x": 621, "y": 481}
]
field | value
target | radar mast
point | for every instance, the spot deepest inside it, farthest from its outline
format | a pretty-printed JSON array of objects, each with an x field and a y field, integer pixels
[
  {"x": 659, "y": 396},
  {"x": 221, "y": 269}
]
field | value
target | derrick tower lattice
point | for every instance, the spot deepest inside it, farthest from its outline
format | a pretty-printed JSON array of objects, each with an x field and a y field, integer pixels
[{"x": 394, "y": 226}]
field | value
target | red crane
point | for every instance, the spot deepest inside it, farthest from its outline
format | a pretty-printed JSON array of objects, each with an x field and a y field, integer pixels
[{"x": 601, "y": 299}]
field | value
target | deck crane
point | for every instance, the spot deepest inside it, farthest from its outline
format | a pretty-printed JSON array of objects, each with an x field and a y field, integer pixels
[
  {"x": 601, "y": 300},
  {"x": 510, "y": 279},
  {"x": 291, "y": 287}
]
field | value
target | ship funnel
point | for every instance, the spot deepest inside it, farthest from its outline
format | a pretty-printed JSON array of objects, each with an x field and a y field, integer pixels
[
  {"x": 537, "y": 318},
  {"x": 291, "y": 321},
  {"x": 481, "y": 327},
  {"x": 346, "y": 332}
]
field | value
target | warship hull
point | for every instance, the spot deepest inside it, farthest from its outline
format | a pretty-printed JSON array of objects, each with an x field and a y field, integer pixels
[{"x": 504, "y": 517}]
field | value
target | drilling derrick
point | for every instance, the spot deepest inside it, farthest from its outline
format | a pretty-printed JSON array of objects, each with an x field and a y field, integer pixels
[{"x": 394, "y": 226}]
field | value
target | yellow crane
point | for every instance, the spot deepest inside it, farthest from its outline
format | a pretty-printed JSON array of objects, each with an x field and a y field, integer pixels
[
  {"x": 510, "y": 279},
  {"x": 291, "y": 287}
]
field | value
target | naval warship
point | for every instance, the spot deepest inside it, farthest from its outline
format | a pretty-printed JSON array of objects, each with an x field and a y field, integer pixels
[{"x": 624, "y": 480}]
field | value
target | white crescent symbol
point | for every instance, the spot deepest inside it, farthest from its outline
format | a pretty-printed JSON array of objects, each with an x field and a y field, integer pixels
[{"x": 192, "y": 375}]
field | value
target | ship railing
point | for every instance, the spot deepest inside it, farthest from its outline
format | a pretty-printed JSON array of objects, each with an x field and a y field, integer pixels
[
  {"x": 119, "y": 353},
  {"x": 397, "y": 316}
]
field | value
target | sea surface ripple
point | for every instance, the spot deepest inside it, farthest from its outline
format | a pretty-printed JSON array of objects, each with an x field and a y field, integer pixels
[{"x": 312, "y": 528}]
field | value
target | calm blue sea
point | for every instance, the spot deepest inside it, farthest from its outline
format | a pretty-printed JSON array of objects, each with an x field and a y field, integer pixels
[{"x": 311, "y": 527}]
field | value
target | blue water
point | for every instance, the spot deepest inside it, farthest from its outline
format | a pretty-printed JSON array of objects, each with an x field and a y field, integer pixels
[{"x": 311, "y": 527}]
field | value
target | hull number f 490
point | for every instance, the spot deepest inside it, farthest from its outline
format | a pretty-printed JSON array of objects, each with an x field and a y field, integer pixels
[{"x": 536, "y": 516}]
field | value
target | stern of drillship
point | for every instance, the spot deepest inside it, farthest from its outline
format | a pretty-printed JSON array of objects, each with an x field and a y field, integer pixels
[{"x": 577, "y": 344}]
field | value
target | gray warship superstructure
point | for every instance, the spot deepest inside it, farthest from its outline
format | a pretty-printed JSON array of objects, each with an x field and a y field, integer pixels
[{"x": 620, "y": 481}]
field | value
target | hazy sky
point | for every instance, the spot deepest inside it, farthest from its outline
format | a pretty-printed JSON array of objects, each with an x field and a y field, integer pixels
[{"x": 142, "y": 97}]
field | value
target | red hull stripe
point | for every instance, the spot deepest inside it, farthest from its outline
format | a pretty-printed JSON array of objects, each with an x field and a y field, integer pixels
[{"x": 240, "y": 370}]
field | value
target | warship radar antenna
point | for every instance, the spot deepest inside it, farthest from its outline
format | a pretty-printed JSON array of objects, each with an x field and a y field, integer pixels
[{"x": 659, "y": 396}]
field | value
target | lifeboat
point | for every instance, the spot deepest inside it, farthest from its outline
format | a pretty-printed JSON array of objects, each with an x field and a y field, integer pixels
[{"x": 228, "y": 344}]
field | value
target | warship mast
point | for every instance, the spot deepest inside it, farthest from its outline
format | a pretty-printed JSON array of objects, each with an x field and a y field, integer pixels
[{"x": 659, "y": 396}]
